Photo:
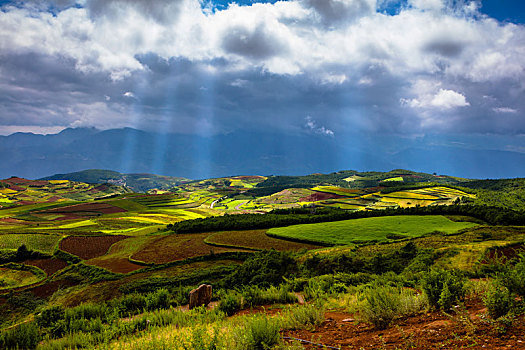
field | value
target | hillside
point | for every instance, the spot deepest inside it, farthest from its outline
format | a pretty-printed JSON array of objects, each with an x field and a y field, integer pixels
[
  {"x": 136, "y": 182},
  {"x": 366, "y": 254}
]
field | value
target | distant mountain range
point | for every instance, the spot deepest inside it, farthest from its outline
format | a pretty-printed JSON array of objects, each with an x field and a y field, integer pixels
[{"x": 196, "y": 157}]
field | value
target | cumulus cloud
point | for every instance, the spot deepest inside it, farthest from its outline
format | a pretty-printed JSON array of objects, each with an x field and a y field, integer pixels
[{"x": 340, "y": 59}]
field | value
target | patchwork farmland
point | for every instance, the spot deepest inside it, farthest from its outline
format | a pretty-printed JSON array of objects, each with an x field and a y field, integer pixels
[{"x": 64, "y": 242}]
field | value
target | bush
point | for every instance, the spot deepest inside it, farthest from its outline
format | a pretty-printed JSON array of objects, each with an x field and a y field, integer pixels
[
  {"x": 443, "y": 288},
  {"x": 382, "y": 305},
  {"x": 230, "y": 303},
  {"x": 514, "y": 278},
  {"x": 262, "y": 333},
  {"x": 498, "y": 300},
  {"x": 23, "y": 336},
  {"x": 264, "y": 268},
  {"x": 159, "y": 299},
  {"x": 304, "y": 316}
]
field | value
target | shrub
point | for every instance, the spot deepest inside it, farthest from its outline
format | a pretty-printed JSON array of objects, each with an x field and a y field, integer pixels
[
  {"x": 23, "y": 336},
  {"x": 303, "y": 316},
  {"x": 159, "y": 299},
  {"x": 262, "y": 333},
  {"x": 514, "y": 277},
  {"x": 382, "y": 305},
  {"x": 443, "y": 288},
  {"x": 264, "y": 268},
  {"x": 498, "y": 300},
  {"x": 230, "y": 302}
]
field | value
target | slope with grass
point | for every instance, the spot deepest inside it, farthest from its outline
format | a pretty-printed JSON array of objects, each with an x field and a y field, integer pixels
[{"x": 379, "y": 229}]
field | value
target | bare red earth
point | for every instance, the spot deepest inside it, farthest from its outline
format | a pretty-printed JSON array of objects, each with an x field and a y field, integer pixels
[
  {"x": 472, "y": 330},
  {"x": 50, "y": 266},
  {"x": 320, "y": 196},
  {"x": 47, "y": 289},
  {"x": 503, "y": 254},
  {"x": 89, "y": 247},
  {"x": 103, "y": 208}
]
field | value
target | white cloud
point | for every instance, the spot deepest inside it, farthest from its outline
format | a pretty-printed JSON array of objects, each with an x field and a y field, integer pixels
[
  {"x": 428, "y": 98},
  {"x": 326, "y": 44},
  {"x": 447, "y": 99},
  {"x": 504, "y": 110},
  {"x": 311, "y": 125}
]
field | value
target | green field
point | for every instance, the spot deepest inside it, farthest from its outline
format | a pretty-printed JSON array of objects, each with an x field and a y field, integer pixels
[
  {"x": 40, "y": 242},
  {"x": 370, "y": 229}
]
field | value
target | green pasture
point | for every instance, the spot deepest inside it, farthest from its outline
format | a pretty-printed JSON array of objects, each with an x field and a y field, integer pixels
[
  {"x": 11, "y": 278},
  {"x": 41, "y": 242},
  {"x": 370, "y": 229}
]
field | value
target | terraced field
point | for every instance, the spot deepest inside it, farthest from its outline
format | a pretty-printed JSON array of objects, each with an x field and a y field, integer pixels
[
  {"x": 370, "y": 229},
  {"x": 254, "y": 239}
]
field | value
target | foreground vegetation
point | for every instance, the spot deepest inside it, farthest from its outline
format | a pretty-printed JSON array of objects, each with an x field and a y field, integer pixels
[{"x": 86, "y": 266}]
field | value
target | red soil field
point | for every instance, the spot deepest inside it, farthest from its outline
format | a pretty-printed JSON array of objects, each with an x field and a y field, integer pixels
[
  {"x": 118, "y": 265},
  {"x": 16, "y": 180},
  {"x": 88, "y": 247},
  {"x": 503, "y": 254},
  {"x": 53, "y": 199},
  {"x": 319, "y": 196},
  {"x": 50, "y": 266},
  {"x": 47, "y": 289},
  {"x": 16, "y": 188},
  {"x": 178, "y": 247},
  {"x": 433, "y": 330},
  {"x": 39, "y": 183},
  {"x": 103, "y": 208}
]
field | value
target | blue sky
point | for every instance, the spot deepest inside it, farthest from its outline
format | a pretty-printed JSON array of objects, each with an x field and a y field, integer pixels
[{"x": 338, "y": 69}]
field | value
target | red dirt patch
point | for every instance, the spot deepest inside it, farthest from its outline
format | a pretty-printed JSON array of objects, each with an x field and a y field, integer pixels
[
  {"x": 47, "y": 289},
  {"x": 87, "y": 209},
  {"x": 178, "y": 247},
  {"x": 426, "y": 331},
  {"x": 38, "y": 183},
  {"x": 88, "y": 247},
  {"x": 118, "y": 265},
  {"x": 503, "y": 254},
  {"x": 320, "y": 196},
  {"x": 15, "y": 180},
  {"x": 53, "y": 199},
  {"x": 50, "y": 266}
]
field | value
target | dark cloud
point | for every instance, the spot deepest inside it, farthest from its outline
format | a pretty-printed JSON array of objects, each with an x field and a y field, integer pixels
[
  {"x": 255, "y": 43},
  {"x": 445, "y": 47},
  {"x": 334, "y": 11},
  {"x": 164, "y": 11}
]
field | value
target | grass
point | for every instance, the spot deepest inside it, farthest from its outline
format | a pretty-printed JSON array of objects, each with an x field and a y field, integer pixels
[
  {"x": 10, "y": 278},
  {"x": 40, "y": 242},
  {"x": 370, "y": 229}
]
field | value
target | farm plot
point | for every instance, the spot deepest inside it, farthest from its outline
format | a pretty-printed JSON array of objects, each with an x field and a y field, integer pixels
[
  {"x": 41, "y": 242},
  {"x": 177, "y": 247},
  {"x": 117, "y": 257},
  {"x": 338, "y": 190},
  {"x": 88, "y": 247},
  {"x": 49, "y": 266},
  {"x": 254, "y": 239},
  {"x": 370, "y": 229},
  {"x": 11, "y": 278}
]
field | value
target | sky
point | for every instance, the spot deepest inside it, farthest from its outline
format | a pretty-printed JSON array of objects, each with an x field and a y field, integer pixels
[{"x": 326, "y": 68}]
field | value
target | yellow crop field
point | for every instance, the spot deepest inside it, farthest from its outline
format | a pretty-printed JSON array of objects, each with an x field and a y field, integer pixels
[
  {"x": 407, "y": 202},
  {"x": 397, "y": 178},
  {"x": 58, "y": 181},
  {"x": 443, "y": 191},
  {"x": 77, "y": 224},
  {"x": 7, "y": 191},
  {"x": 410, "y": 195}
]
